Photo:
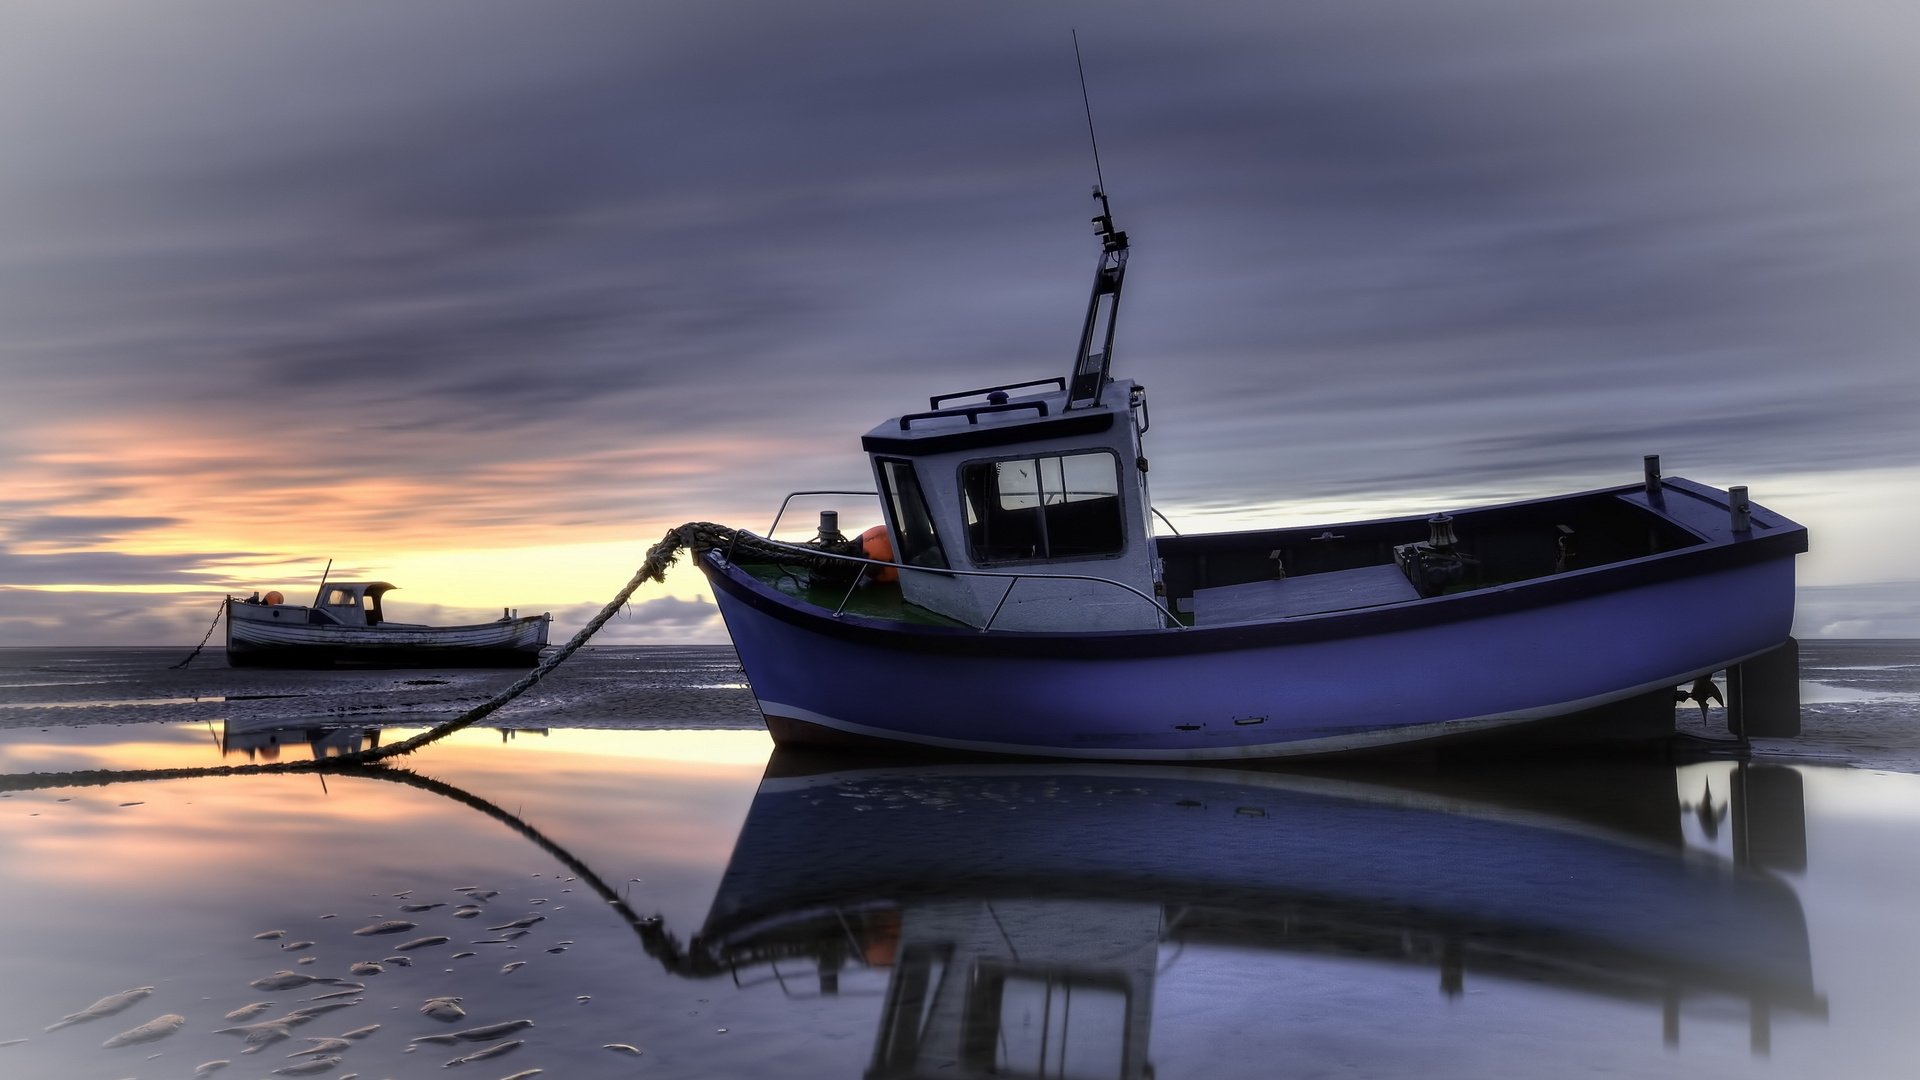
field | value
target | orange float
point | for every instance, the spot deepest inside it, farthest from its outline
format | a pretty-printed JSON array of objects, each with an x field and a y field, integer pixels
[{"x": 874, "y": 544}]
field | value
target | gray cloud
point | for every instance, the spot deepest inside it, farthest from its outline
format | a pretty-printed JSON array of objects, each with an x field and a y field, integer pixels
[
  {"x": 661, "y": 620},
  {"x": 109, "y": 568},
  {"x": 1888, "y": 609},
  {"x": 32, "y": 617},
  {"x": 75, "y": 531}
]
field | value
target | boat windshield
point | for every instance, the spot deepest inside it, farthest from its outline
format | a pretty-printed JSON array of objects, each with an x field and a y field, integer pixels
[
  {"x": 1060, "y": 506},
  {"x": 912, "y": 524}
]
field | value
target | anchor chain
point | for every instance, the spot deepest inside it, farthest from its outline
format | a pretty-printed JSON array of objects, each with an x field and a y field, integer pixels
[{"x": 203, "y": 641}]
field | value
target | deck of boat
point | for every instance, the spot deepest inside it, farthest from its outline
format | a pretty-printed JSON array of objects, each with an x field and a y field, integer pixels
[{"x": 878, "y": 600}]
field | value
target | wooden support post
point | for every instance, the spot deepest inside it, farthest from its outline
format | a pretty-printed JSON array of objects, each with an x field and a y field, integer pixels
[
  {"x": 1763, "y": 694},
  {"x": 1769, "y": 811},
  {"x": 1759, "y": 1027}
]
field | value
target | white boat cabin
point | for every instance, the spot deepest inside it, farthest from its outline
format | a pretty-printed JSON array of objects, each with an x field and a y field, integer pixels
[
  {"x": 352, "y": 603},
  {"x": 338, "y": 603},
  {"x": 1042, "y": 479},
  {"x": 990, "y": 481}
]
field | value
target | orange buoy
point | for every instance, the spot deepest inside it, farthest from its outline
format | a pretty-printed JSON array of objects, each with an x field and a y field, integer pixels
[
  {"x": 273, "y": 598},
  {"x": 874, "y": 544}
]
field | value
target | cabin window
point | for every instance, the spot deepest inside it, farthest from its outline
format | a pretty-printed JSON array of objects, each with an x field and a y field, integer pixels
[
  {"x": 1061, "y": 1023},
  {"x": 1063, "y": 506},
  {"x": 912, "y": 524},
  {"x": 906, "y": 1023},
  {"x": 339, "y": 598}
]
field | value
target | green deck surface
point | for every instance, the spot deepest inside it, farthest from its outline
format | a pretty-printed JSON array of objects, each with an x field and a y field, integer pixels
[{"x": 872, "y": 600}]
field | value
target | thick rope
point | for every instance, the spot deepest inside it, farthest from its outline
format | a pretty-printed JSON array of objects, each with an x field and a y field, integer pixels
[
  {"x": 654, "y": 938},
  {"x": 697, "y": 536}
]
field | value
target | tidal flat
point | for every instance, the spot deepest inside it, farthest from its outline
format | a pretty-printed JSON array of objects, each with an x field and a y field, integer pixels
[{"x": 622, "y": 878}]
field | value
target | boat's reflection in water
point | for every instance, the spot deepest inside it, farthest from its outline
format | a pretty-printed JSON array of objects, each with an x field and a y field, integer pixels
[
  {"x": 1023, "y": 914},
  {"x": 321, "y": 741},
  {"x": 266, "y": 741},
  {"x": 1020, "y": 917}
]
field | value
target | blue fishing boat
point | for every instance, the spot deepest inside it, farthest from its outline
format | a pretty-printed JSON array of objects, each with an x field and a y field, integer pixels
[{"x": 1017, "y": 599}]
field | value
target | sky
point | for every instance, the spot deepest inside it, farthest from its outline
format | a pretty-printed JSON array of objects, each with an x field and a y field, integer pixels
[{"x": 481, "y": 297}]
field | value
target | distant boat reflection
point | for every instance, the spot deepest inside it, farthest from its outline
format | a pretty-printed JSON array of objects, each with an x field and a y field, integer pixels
[
  {"x": 264, "y": 741},
  {"x": 1022, "y": 910}
]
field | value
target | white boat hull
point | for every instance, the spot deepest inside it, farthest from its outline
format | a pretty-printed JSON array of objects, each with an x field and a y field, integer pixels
[{"x": 277, "y": 635}]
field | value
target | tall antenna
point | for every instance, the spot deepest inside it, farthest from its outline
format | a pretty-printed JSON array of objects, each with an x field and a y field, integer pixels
[
  {"x": 1088, "y": 104},
  {"x": 1095, "y": 356}
]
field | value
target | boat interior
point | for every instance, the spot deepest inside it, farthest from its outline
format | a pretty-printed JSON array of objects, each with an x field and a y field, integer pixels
[
  {"x": 1222, "y": 578},
  {"x": 1281, "y": 573}
]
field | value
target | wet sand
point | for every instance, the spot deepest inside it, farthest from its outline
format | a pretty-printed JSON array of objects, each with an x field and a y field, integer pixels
[{"x": 618, "y": 862}]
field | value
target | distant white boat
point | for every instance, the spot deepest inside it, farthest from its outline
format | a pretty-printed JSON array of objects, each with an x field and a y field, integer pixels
[{"x": 346, "y": 627}]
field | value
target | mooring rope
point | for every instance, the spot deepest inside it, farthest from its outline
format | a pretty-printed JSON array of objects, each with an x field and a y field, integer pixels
[
  {"x": 696, "y": 536},
  {"x": 224, "y": 601},
  {"x": 659, "y": 557},
  {"x": 654, "y": 937}
]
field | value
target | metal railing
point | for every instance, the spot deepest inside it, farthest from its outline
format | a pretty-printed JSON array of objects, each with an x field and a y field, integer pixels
[
  {"x": 775, "y": 527},
  {"x": 1168, "y": 619}
]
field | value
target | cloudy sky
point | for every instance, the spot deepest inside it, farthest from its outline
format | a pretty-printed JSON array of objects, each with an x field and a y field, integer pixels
[{"x": 481, "y": 297}]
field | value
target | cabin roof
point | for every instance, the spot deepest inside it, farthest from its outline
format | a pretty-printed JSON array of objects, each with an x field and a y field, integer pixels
[
  {"x": 1000, "y": 421},
  {"x": 369, "y": 588}
]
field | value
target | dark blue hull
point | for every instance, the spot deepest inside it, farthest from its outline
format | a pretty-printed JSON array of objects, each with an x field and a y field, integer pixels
[{"x": 1471, "y": 664}]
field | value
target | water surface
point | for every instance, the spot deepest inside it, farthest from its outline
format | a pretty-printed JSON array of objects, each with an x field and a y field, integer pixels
[{"x": 669, "y": 898}]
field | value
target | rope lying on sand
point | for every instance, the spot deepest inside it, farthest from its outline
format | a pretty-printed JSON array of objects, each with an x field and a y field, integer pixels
[{"x": 696, "y": 536}]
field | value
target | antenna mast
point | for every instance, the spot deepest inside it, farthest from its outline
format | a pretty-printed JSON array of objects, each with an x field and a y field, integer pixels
[
  {"x": 1103, "y": 308},
  {"x": 1087, "y": 103}
]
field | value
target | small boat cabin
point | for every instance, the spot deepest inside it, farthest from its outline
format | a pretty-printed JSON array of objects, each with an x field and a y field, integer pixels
[
  {"x": 1042, "y": 479},
  {"x": 1036, "y": 485},
  {"x": 338, "y": 603},
  {"x": 350, "y": 603}
]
